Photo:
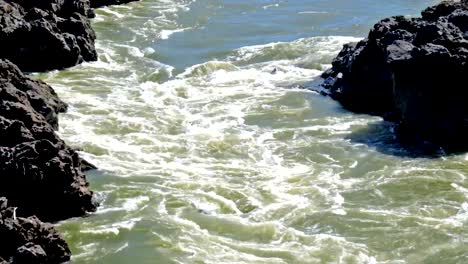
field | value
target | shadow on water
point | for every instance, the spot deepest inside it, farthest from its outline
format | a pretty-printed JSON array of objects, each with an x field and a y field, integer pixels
[{"x": 384, "y": 137}]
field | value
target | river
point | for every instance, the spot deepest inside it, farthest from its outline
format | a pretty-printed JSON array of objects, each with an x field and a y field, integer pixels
[{"x": 211, "y": 151}]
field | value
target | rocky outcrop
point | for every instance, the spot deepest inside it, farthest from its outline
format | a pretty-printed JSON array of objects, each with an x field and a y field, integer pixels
[
  {"x": 39, "y": 174},
  {"x": 411, "y": 71},
  {"x": 41, "y": 35},
  {"x": 28, "y": 240},
  {"x": 100, "y": 3}
]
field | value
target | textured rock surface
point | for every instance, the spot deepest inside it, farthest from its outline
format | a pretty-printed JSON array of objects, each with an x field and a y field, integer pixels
[
  {"x": 411, "y": 71},
  {"x": 39, "y": 173},
  {"x": 28, "y": 240},
  {"x": 41, "y": 35}
]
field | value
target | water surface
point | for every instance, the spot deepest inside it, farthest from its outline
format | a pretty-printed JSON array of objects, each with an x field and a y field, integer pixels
[{"x": 210, "y": 150}]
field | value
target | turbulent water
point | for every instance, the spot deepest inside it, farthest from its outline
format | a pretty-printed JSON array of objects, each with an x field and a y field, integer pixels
[{"x": 211, "y": 151}]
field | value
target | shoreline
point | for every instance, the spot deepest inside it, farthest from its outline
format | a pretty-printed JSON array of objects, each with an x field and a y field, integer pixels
[{"x": 43, "y": 178}]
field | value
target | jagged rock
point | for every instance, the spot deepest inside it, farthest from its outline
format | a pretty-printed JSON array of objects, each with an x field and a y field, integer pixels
[
  {"x": 28, "y": 240},
  {"x": 100, "y": 3},
  {"x": 411, "y": 71},
  {"x": 39, "y": 173},
  {"x": 41, "y": 35},
  {"x": 40, "y": 95}
]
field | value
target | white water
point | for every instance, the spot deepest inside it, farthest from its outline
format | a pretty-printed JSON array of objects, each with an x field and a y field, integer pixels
[{"x": 209, "y": 153}]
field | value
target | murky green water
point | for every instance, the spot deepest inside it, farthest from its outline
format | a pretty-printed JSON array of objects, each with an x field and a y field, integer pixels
[{"x": 210, "y": 152}]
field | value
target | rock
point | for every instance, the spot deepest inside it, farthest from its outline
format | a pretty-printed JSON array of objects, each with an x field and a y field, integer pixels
[
  {"x": 30, "y": 253},
  {"x": 411, "y": 71},
  {"x": 40, "y": 95},
  {"x": 28, "y": 240},
  {"x": 41, "y": 35},
  {"x": 40, "y": 174}
]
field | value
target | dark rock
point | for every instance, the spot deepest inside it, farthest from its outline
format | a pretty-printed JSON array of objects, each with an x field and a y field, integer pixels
[
  {"x": 41, "y": 35},
  {"x": 40, "y": 95},
  {"x": 411, "y": 71},
  {"x": 28, "y": 240},
  {"x": 40, "y": 174},
  {"x": 30, "y": 253},
  {"x": 399, "y": 51}
]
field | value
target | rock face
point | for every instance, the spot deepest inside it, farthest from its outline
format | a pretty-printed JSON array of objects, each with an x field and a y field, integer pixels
[
  {"x": 39, "y": 173},
  {"x": 411, "y": 71},
  {"x": 41, "y": 35},
  {"x": 28, "y": 240}
]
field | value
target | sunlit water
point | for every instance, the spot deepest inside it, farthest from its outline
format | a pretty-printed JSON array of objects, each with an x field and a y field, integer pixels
[{"x": 211, "y": 151}]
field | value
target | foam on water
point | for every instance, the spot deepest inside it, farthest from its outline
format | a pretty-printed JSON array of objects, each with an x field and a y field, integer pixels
[
  {"x": 194, "y": 127},
  {"x": 165, "y": 34},
  {"x": 114, "y": 228}
]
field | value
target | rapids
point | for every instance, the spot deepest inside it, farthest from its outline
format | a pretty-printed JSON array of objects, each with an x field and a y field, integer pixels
[{"x": 211, "y": 150}]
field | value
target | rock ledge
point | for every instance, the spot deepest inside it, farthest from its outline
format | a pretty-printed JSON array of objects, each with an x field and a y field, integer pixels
[
  {"x": 28, "y": 240},
  {"x": 42, "y": 35}
]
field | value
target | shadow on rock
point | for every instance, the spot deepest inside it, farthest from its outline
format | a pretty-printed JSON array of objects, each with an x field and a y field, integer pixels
[{"x": 387, "y": 138}]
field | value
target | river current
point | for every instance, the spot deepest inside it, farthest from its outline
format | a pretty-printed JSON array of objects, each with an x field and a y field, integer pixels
[{"x": 211, "y": 150}]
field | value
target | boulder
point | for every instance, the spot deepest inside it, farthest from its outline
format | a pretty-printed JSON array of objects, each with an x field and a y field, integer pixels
[
  {"x": 28, "y": 240},
  {"x": 40, "y": 174},
  {"x": 411, "y": 71},
  {"x": 41, "y": 35}
]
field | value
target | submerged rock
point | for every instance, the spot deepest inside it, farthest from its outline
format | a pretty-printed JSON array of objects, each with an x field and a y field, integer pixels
[
  {"x": 28, "y": 240},
  {"x": 39, "y": 174},
  {"x": 411, "y": 71},
  {"x": 41, "y": 35}
]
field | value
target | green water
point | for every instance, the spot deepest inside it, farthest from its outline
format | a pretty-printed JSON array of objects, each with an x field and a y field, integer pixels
[{"x": 210, "y": 151}]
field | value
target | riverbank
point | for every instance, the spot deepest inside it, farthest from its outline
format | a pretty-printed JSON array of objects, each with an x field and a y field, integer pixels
[{"x": 40, "y": 175}]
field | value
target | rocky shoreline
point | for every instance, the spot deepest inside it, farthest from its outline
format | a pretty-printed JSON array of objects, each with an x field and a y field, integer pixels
[
  {"x": 411, "y": 71},
  {"x": 40, "y": 176},
  {"x": 28, "y": 240}
]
